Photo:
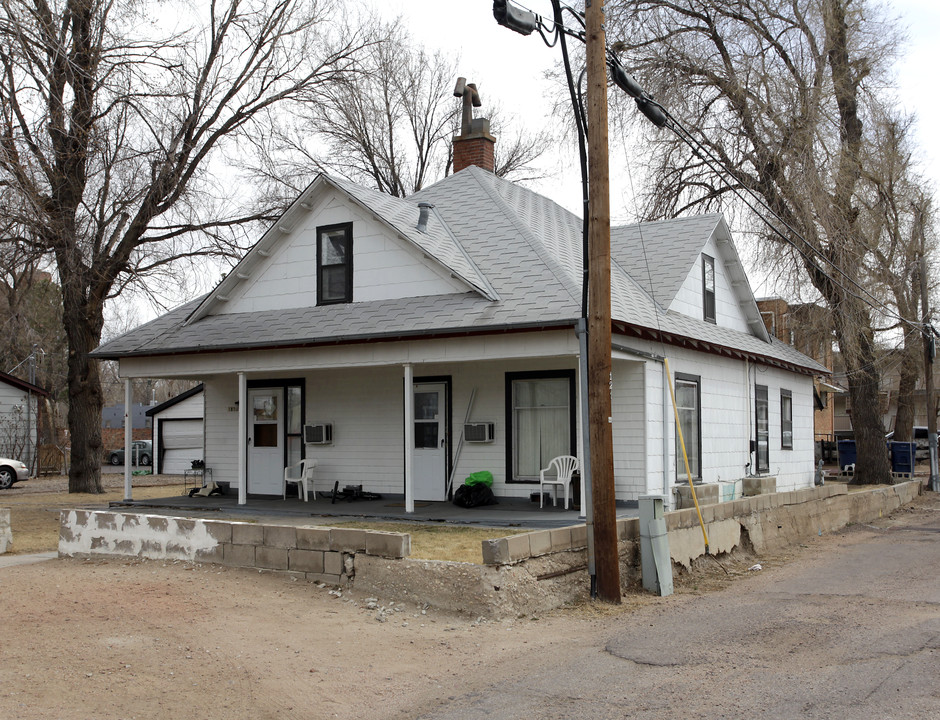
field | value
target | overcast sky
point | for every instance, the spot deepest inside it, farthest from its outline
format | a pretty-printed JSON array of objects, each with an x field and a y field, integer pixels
[{"x": 509, "y": 67}]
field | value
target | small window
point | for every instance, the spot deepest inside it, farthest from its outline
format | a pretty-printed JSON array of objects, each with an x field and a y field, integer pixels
[
  {"x": 786, "y": 420},
  {"x": 689, "y": 407},
  {"x": 762, "y": 415},
  {"x": 334, "y": 264},
  {"x": 708, "y": 287}
]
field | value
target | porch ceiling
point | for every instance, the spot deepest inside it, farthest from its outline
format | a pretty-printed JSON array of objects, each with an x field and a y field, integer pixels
[{"x": 553, "y": 342}]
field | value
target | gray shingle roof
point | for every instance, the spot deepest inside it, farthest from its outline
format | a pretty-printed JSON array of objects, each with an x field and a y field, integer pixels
[
  {"x": 497, "y": 235},
  {"x": 661, "y": 253}
]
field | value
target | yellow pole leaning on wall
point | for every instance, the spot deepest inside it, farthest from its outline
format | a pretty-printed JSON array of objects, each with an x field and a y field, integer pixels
[{"x": 685, "y": 455}]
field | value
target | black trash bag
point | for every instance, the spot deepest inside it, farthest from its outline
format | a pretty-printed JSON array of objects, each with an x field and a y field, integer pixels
[{"x": 468, "y": 496}]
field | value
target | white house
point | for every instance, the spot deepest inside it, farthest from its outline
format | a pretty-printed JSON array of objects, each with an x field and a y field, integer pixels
[
  {"x": 384, "y": 324},
  {"x": 178, "y": 432},
  {"x": 20, "y": 405}
]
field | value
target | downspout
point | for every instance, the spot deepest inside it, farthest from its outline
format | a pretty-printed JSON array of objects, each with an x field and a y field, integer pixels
[
  {"x": 747, "y": 410},
  {"x": 670, "y": 499},
  {"x": 587, "y": 505}
]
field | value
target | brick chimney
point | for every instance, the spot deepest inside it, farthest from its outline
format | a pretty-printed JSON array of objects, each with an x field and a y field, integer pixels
[{"x": 474, "y": 145}]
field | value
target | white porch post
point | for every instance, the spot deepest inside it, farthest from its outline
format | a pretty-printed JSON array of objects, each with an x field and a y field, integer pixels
[
  {"x": 409, "y": 438},
  {"x": 128, "y": 438},
  {"x": 242, "y": 439}
]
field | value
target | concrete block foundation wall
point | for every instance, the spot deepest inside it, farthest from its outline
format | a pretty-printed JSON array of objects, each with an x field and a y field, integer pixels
[
  {"x": 6, "y": 534},
  {"x": 320, "y": 554},
  {"x": 522, "y": 575},
  {"x": 764, "y": 523},
  {"x": 771, "y": 521}
]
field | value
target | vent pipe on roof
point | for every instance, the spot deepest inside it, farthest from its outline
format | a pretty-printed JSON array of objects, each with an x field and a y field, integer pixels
[{"x": 423, "y": 208}]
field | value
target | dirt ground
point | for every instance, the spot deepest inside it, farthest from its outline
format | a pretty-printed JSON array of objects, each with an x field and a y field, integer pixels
[
  {"x": 111, "y": 639},
  {"x": 145, "y": 639}
]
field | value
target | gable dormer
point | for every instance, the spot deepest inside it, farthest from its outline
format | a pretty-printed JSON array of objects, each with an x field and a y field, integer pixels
[
  {"x": 716, "y": 289},
  {"x": 340, "y": 243}
]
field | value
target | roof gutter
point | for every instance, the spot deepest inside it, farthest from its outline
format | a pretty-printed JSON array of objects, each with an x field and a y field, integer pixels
[{"x": 342, "y": 340}]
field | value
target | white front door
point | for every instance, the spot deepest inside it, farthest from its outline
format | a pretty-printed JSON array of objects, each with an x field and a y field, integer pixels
[
  {"x": 430, "y": 451},
  {"x": 265, "y": 443}
]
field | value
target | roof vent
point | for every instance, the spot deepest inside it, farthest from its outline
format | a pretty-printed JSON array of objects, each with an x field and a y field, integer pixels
[{"x": 423, "y": 208}]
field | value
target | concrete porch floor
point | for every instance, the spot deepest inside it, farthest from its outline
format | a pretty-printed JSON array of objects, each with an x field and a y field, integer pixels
[{"x": 509, "y": 513}]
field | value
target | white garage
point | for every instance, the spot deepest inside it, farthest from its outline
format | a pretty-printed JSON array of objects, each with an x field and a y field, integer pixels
[{"x": 178, "y": 432}]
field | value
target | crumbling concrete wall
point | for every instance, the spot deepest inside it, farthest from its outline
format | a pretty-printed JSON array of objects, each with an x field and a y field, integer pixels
[
  {"x": 524, "y": 574},
  {"x": 6, "y": 532},
  {"x": 766, "y": 522},
  {"x": 315, "y": 553}
]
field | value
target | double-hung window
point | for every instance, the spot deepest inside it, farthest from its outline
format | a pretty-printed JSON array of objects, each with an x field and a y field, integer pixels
[
  {"x": 540, "y": 410},
  {"x": 762, "y": 414},
  {"x": 708, "y": 287},
  {"x": 334, "y": 264},
  {"x": 786, "y": 420},
  {"x": 689, "y": 407}
]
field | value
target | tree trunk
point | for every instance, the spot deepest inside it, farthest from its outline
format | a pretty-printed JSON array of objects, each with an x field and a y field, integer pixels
[
  {"x": 856, "y": 342},
  {"x": 83, "y": 328},
  {"x": 907, "y": 384}
]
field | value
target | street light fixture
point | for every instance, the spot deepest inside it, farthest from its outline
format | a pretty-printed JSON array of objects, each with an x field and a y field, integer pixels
[{"x": 521, "y": 21}]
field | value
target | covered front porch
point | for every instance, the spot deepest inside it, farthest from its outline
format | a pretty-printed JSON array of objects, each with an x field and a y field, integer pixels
[
  {"x": 508, "y": 513},
  {"x": 390, "y": 417}
]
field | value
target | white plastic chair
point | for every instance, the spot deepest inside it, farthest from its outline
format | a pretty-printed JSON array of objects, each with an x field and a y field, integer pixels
[
  {"x": 306, "y": 475},
  {"x": 565, "y": 466}
]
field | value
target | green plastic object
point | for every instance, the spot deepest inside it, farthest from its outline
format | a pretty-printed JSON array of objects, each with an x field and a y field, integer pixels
[{"x": 481, "y": 477}]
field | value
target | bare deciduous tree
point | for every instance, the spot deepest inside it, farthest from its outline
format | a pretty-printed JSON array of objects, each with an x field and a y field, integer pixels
[
  {"x": 785, "y": 93},
  {"x": 895, "y": 206},
  {"x": 389, "y": 125},
  {"x": 110, "y": 121}
]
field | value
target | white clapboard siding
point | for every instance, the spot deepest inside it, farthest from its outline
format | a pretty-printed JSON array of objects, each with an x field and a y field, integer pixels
[
  {"x": 385, "y": 266},
  {"x": 690, "y": 298}
]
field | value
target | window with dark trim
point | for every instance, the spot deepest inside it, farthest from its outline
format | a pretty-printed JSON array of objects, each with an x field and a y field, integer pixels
[
  {"x": 762, "y": 415},
  {"x": 708, "y": 287},
  {"x": 786, "y": 420},
  {"x": 689, "y": 406},
  {"x": 334, "y": 264},
  {"x": 540, "y": 421}
]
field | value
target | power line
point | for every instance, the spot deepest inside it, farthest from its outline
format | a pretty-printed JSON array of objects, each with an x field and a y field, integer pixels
[{"x": 525, "y": 21}]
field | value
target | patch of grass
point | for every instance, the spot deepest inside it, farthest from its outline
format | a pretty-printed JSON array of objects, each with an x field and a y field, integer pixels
[
  {"x": 438, "y": 542},
  {"x": 34, "y": 517}
]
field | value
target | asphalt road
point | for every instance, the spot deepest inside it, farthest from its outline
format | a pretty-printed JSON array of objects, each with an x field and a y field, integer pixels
[{"x": 850, "y": 628}]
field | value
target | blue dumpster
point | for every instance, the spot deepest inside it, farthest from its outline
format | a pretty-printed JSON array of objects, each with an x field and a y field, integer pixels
[
  {"x": 903, "y": 457},
  {"x": 847, "y": 453}
]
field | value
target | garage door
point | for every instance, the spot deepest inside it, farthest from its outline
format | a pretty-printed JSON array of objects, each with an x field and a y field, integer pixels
[{"x": 182, "y": 443}]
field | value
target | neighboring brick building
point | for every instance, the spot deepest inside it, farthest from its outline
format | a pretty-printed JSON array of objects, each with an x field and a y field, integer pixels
[{"x": 808, "y": 328}]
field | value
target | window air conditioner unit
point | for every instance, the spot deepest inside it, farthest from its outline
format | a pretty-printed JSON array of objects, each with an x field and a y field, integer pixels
[
  {"x": 479, "y": 432},
  {"x": 318, "y": 434}
]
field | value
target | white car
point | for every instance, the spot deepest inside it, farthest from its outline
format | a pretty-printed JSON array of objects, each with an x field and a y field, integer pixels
[{"x": 12, "y": 471}]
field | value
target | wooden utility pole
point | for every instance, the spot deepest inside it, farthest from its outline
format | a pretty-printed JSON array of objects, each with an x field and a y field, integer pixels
[{"x": 606, "y": 557}]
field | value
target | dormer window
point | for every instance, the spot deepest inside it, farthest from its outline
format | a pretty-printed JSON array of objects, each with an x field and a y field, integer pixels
[
  {"x": 334, "y": 264},
  {"x": 708, "y": 287}
]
